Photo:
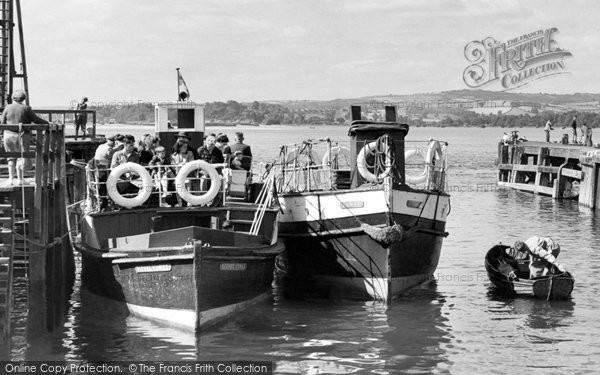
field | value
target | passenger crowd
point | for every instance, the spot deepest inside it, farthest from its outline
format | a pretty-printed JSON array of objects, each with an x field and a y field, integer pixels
[{"x": 164, "y": 164}]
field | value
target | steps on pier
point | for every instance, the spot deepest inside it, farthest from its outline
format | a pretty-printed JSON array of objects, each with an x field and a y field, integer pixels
[{"x": 7, "y": 245}]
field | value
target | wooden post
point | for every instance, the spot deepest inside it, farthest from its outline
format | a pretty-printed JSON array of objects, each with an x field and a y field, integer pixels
[
  {"x": 37, "y": 204},
  {"x": 198, "y": 281}
]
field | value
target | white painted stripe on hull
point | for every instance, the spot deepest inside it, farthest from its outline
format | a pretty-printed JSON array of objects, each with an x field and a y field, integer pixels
[
  {"x": 376, "y": 287},
  {"x": 312, "y": 207},
  {"x": 342, "y": 204},
  {"x": 186, "y": 319}
]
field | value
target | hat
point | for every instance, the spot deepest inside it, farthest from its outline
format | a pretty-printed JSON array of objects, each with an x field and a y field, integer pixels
[
  {"x": 183, "y": 135},
  {"x": 222, "y": 138},
  {"x": 128, "y": 138},
  {"x": 159, "y": 149},
  {"x": 119, "y": 137},
  {"x": 520, "y": 246}
]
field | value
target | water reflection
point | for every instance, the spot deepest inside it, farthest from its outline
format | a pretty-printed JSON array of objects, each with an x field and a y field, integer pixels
[{"x": 535, "y": 313}]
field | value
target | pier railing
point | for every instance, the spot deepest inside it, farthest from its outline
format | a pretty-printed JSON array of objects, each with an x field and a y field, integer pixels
[
  {"x": 47, "y": 152},
  {"x": 64, "y": 116}
]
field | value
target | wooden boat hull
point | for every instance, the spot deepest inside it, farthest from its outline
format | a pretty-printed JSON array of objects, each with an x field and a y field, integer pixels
[
  {"x": 330, "y": 252},
  {"x": 184, "y": 276},
  {"x": 551, "y": 287},
  {"x": 191, "y": 290}
]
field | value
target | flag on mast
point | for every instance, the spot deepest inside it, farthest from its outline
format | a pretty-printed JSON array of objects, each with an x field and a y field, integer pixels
[{"x": 182, "y": 90}]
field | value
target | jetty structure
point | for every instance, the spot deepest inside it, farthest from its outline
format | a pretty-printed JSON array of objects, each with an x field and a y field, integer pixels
[
  {"x": 562, "y": 171},
  {"x": 36, "y": 258}
]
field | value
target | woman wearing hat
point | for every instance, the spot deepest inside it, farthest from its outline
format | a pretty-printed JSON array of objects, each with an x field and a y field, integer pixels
[{"x": 184, "y": 137}]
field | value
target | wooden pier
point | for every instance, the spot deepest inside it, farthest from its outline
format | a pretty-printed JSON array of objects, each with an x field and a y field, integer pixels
[
  {"x": 562, "y": 171},
  {"x": 35, "y": 241}
]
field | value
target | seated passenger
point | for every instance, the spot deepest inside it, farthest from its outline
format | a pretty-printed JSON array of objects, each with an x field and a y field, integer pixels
[
  {"x": 161, "y": 173},
  {"x": 239, "y": 145},
  {"x": 127, "y": 154},
  {"x": 236, "y": 161},
  {"x": 146, "y": 148},
  {"x": 181, "y": 153},
  {"x": 104, "y": 153},
  {"x": 542, "y": 253},
  {"x": 209, "y": 152}
]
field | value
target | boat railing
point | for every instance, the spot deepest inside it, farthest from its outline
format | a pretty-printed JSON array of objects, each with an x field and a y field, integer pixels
[
  {"x": 324, "y": 164},
  {"x": 426, "y": 164},
  {"x": 312, "y": 165},
  {"x": 162, "y": 190}
]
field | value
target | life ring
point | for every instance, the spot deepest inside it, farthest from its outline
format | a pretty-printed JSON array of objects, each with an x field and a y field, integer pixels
[
  {"x": 420, "y": 178},
  {"x": 435, "y": 158},
  {"x": 143, "y": 193},
  {"x": 205, "y": 198},
  {"x": 361, "y": 163},
  {"x": 335, "y": 153},
  {"x": 434, "y": 152}
]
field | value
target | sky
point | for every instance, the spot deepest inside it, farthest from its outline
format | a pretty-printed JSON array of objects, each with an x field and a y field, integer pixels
[{"x": 127, "y": 51}]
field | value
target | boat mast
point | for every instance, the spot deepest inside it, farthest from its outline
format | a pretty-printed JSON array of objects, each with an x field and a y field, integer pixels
[{"x": 9, "y": 10}]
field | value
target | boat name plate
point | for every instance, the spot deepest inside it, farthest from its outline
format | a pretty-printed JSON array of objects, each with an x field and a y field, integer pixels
[
  {"x": 153, "y": 268},
  {"x": 232, "y": 267},
  {"x": 352, "y": 204}
]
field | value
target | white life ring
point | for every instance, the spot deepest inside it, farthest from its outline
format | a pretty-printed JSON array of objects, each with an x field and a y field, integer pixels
[
  {"x": 335, "y": 152},
  {"x": 205, "y": 198},
  {"x": 435, "y": 159},
  {"x": 420, "y": 178},
  {"x": 361, "y": 163},
  {"x": 434, "y": 152},
  {"x": 144, "y": 192}
]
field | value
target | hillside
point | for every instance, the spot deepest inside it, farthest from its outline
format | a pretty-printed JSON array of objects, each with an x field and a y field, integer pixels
[{"x": 448, "y": 108}]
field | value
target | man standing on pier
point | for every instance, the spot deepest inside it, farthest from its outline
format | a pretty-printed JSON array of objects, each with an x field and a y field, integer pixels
[
  {"x": 547, "y": 130},
  {"x": 574, "y": 127},
  {"x": 18, "y": 113}
]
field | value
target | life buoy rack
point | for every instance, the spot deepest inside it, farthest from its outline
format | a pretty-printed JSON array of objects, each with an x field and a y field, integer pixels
[
  {"x": 361, "y": 161},
  {"x": 335, "y": 152},
  {"x": 143, "y": 193},
  {"x": 198, "y": 200},
  {"x": 433, "y": 157}
]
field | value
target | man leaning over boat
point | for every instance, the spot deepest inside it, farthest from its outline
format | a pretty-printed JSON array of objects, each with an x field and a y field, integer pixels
[{"x": 542, "y": 253}]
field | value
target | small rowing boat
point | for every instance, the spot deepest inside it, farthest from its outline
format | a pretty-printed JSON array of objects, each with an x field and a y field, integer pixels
[{"x": 499, "y": 265}]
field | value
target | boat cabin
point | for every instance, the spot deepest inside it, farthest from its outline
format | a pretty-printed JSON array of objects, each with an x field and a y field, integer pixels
[
  {"x": 173, "y": 118},
  {"x": 365, "y": 136}
]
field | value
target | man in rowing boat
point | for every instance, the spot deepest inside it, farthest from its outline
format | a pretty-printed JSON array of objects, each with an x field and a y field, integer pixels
[{"x": 542, "y": 253}]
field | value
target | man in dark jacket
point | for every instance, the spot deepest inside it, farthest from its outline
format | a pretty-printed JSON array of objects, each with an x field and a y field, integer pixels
[
  {"x": 239, "y": 145},
  {"x": 18, "y": 113}
]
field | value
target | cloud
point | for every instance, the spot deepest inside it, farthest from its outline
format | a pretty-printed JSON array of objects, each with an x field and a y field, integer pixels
[{"x": 294, "y": 32}]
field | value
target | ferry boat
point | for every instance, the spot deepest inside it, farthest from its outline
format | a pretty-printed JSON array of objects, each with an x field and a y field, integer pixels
[
  {"x": 188, "y": 265},
  {"x": 355, "y": 224}
]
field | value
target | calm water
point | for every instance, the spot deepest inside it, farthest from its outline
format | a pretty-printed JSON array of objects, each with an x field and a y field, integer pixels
[{"x": 452, "y": 325}]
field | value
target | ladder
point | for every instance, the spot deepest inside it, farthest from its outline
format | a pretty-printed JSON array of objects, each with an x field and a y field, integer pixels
[
  {"x": 9, "y": 10},
  {"x": 7, "y": 243}
]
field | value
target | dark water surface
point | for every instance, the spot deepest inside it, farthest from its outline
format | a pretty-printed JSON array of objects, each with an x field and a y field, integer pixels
[{"x": 454, "y": 324}]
